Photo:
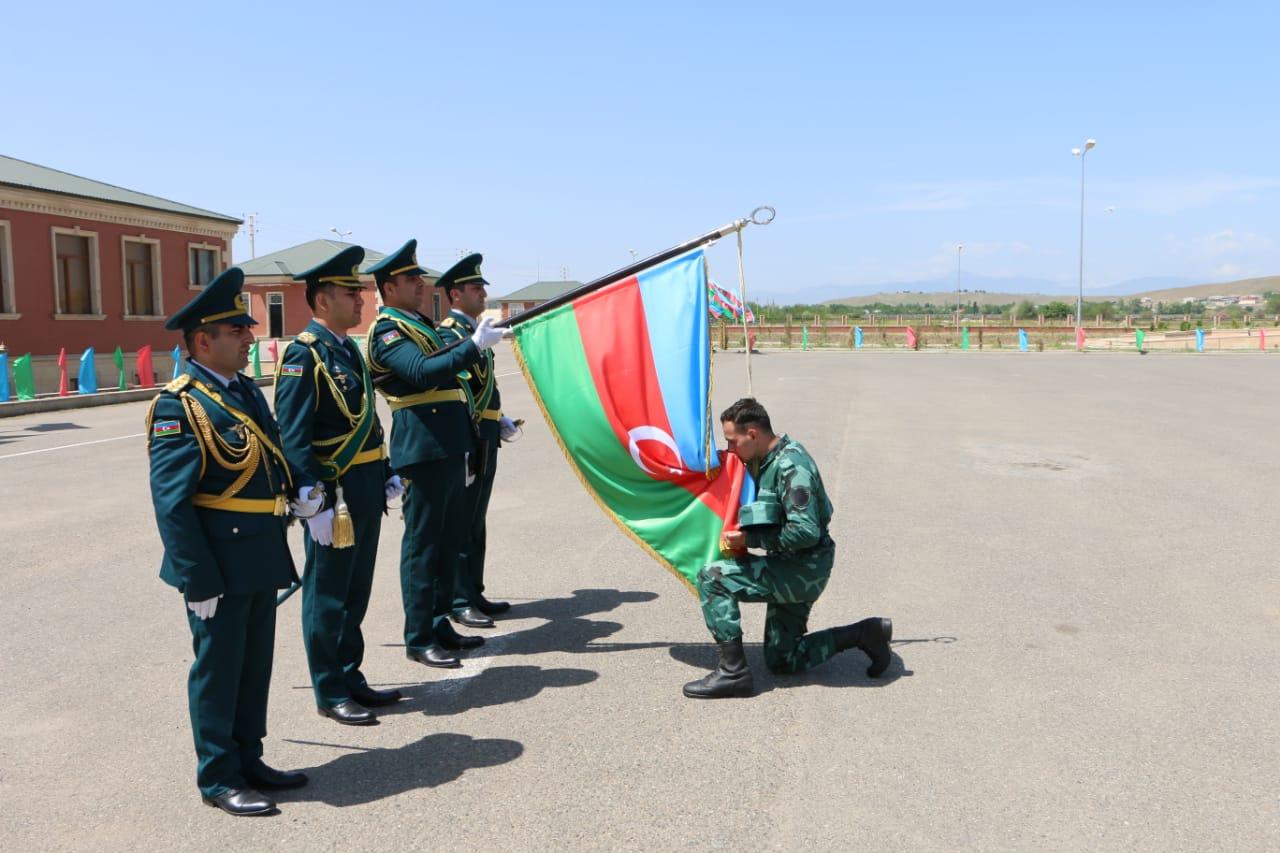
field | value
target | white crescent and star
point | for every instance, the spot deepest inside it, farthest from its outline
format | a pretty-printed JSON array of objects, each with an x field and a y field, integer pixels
[{"x": 652, "y": 433}]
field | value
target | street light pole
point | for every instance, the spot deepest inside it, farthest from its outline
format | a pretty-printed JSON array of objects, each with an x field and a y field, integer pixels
[
  {"x": 959, "y": 249},
  {"x": 1080, "y": 152}
]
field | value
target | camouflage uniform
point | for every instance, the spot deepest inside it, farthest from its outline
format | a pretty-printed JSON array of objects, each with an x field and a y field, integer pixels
[{"x": 790, "y": 578}]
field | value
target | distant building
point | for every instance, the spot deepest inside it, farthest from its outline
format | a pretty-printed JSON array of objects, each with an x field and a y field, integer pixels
[
  {"x": 279, "y": 303},
  {"x": 533, "y": 295},
  {"x": 88, "y": 264}
]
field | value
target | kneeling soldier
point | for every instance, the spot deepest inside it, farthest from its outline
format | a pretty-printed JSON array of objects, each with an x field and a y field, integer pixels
[
  {"x": 332, "y": 437},
  {"x": 219, "y": 482}
]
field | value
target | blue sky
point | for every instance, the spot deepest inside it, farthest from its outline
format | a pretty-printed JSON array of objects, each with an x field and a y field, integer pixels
[{"x": 563, "y": 135}]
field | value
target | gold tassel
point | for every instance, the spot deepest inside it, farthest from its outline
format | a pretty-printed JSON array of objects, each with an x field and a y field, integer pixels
[{"x": 344, "y": 531}]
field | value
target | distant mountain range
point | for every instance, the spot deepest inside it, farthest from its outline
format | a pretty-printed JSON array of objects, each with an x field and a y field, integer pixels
[{"x": 996, "y": 290}]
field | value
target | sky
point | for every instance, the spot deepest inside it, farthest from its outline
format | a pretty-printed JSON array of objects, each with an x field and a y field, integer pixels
[{"x": 557, "y": 138}]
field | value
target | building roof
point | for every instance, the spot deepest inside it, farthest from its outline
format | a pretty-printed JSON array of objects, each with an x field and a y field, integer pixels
[
  {"x": 19, "y": 173},
  {"x": 540, "y": 291},
  {"x": 304, "y": 256}
]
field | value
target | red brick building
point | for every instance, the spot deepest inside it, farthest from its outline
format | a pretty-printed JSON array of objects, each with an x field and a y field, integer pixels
[{"x": 85, "y": 263}]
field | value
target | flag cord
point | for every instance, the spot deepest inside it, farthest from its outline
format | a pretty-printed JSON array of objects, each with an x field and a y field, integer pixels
[{"x": 742, "y": 294}]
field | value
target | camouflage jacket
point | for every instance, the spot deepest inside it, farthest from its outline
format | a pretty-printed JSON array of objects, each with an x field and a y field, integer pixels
[{"x": 789, "y": 472}]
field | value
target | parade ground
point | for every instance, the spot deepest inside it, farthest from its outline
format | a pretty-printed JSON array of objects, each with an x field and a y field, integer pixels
[{"x": 1079, "y": 553}]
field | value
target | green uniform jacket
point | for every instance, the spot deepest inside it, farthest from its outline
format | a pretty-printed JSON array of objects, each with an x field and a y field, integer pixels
[
  {"x": 481, "y": 384},
  {"x": 312, "y": 420},
  {"x": 789, "y": 472},
  {"x": 210, "y": 552},
  {"x": 404, "y": 361}
]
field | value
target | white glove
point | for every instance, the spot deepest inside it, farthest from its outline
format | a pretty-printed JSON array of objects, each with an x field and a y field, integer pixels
[
  {"x": 307, "y": 504},
  {"x": 507, "y": 428},
  {"x": 204, "y": 609},
  {"x": 485, "y": 335},
  {"x": 395, "y": 487},
  {"x": 321, "y": 527},
  {"x": 466, "y": 467}
]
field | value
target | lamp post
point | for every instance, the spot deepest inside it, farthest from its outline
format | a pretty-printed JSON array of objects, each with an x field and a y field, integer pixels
[
  {"x": 1080, "y": 152},
  {"x": 959, "y": 249}
]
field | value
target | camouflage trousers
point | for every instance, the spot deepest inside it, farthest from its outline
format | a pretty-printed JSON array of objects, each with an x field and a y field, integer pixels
[{"x": 789, "y": 586}]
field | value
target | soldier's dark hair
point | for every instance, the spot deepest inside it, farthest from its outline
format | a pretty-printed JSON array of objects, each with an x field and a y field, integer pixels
[
  {"x": 747, "y": 412},
  {"x": 189, "y": 336},
  {"x": 327, "y": 287}
]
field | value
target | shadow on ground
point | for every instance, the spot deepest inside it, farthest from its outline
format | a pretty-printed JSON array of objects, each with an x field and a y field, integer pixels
[{"x": 362, "y": 775}]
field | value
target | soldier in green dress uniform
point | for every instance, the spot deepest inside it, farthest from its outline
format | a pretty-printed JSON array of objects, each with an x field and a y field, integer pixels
[
  {"x": 789, "y": 522},
  {"x": 464, "y": 292},
  {"x": 333, "y": 440},
  {"x": 433, "y": 445},
  {"x": 219, "y": 485}
]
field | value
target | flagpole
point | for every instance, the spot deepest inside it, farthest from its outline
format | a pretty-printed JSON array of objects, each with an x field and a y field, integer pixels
[
  {"x": 760, "y": 216},
  {"x": 746, "y": 336}
]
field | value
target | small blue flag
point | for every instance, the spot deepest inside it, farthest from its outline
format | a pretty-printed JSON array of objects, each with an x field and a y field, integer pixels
[
  {"x": 177, "y": 362},
  {"x": 1022, "y": 339},
  {"x": 857, "y": 337},
  {"x": 4, "y": 377},
  {"x": 1199, "y": 340},
  {"x": 88, "y": 375}
]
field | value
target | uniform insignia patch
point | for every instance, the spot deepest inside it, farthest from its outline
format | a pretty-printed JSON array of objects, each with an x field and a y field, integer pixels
[
  {"x": 160, "y": 429},
  {"x": 390, "y": 337},
  {"x": 307, "y": 338},
  {"x": 799, "y": 497},
  {"x": 178, "y": 384},
  {"x": 291, "y": 370}
]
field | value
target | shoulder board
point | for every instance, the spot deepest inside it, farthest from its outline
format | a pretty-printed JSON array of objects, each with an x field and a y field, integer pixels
[
  {"x": 176, "y": 386},
  {"x": 307, "y": 338},
  {"x": 448, "y": 323}
]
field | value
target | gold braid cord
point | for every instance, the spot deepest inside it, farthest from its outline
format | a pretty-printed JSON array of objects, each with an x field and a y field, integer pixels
[{"x": 245, "y": 459}]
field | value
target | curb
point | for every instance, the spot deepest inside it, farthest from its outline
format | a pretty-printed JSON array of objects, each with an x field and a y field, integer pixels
[{"x": 88, "y": 401}]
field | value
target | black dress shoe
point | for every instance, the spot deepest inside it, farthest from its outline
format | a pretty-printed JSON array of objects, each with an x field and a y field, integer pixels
[
  {"x": 461, "y": 641},
  {"x": 435, "y": 656},
  {"x": 241, "y": 802},
  {"x": 269, "y": 779},
  {"x": 371, "y": 698},
  {"x": 471, "y": 617},
  {"x": 492, "y": 608},
  {"x": 349, "y": 713}
]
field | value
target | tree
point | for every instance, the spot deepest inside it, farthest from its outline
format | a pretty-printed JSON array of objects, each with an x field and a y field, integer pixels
[
  {"x": 1058, "y": 309},
  {"x": 1025, "y": 308}
]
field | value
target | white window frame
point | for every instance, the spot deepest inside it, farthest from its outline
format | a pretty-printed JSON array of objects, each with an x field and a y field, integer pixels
[
  {"x": 157, "y": 280},
  {"x": 273, "y": 297},
  {"x": 6, "y": 272},
  {"x": 217, "y": 261},
  {"x": 95, "y": 274}
]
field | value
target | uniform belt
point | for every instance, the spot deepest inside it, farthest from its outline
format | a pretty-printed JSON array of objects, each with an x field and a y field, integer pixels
[
  {"x": 377, "y": 454},
  {"x": 491, "y": 415},
  {"x": 454, "y": 396},
  {"x": 262, "y": 506}
]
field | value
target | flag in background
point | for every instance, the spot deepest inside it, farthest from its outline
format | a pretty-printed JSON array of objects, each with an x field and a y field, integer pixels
[
  {"x": 177, "y": 361},
  {"x": 88, "y": 383},
  {"x": 724, "y": 304},
  {"x": 24, "y": 378},
  {"x": 4, "y": 376},
  {"x": 623, "y": 376},
  {"x": 64, "y": 387},
  {"x": 118, "y": 356}
]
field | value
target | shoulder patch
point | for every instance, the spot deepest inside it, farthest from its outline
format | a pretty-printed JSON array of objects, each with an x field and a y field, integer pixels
[
  {"x": 307, "y": 338},
  {"x": 448, "y": 323},
  {"x": 799, "y": 496},
  {"x": 178, "y": 384},
  {"x": 163, "y": 429},
  {"x": 292, "y": 370},
  {"x": 391, "y": 337}
]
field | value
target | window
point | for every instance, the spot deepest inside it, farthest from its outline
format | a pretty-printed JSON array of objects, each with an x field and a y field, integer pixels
[
  {"x": 6, "y": 272},
  {"x": 141, "y": 278},
  {"x": 75, "y": 268},
  {"x": 435, "y": 307},
  {"x": 202, "y": 264}
]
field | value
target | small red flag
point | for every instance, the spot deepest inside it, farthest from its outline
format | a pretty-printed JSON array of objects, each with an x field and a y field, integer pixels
[
  {"x": 63, "y": 386},
  {"x": 912, "y": 340},
  {"x": 1079, "y": 338},
  {"x": 146, "y": 372}
]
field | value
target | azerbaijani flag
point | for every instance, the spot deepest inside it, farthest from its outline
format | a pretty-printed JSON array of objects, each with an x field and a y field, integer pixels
[
  {"x": 725, "y": 303},
  {"x": 623, "y": 375}
]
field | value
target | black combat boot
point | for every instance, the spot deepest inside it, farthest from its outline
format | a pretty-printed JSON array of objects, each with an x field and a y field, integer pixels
[
  {"x": 731, "y": 678},
  {"x": 872, "y": 636}
]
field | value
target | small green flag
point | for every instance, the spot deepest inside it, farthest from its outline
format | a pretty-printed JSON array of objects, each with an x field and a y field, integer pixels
[
  {"x": 23, "y": 378},
  {"x": 804, "y": 337},
  {"x": 964, "y": 338},
  {"x": 119, "y": 359},
  {"x": 1141, "y": 336},
  {"x": 256, "y": 359}
]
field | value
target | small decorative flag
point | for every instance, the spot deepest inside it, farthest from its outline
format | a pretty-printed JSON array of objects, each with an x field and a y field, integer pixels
[
  {"x": 1079, "y": 338},
  {"x": 255, "y": 360},
  {"x": 1022, "y": 339},
  {"x": 913, "y": 340},
  {"x": 1139, "y": 338},
  {"x": 272, "y": 354},
  {"x": 146, "y": 372},
  {"x": 24, "y": 377},
  {"x": 63, "y": 385},
  {"x": 804, "y": 337},
  {"x": 964, "y": 338},
  {"x": 119, "y": 359},
  {"x": 177, "y": 362},
  {"x": 857, "y": 337},
  {"x": 4, "y": 377},
  {"x": 88, "y": 375},
  {"x": 1262, "y": 339},
  {"x": 163, "y": 429},
  {"x": 1199, "y": 340}
]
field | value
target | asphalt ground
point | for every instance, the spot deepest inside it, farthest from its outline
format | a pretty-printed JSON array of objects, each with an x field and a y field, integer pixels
[{"x": 1079, "y": 554}]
